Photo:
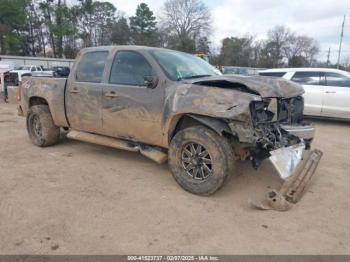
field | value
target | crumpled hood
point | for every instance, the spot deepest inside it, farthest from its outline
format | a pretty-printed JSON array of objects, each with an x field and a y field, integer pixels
[{"x": 262, "y": 85}]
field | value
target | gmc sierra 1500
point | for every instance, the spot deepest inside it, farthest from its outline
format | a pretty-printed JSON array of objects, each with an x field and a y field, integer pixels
[{"x": 172, "y": 105}]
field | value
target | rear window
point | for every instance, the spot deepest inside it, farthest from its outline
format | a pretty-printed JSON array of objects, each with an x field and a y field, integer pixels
[
  {"x": 91, "y": 67},
  {"x": 307, "y": 78},
  {"x": 273, "y": 74}
]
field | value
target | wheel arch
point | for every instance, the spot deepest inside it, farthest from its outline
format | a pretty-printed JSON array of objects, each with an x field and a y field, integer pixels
[
  {"x": 186, "y": 120},
  {"x": 37, "y": 100}
]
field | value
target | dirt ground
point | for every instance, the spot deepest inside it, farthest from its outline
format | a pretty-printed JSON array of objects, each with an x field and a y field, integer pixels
[{"x": 79, "y": 198}]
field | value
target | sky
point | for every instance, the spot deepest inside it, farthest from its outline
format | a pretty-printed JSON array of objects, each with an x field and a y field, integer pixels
[{"x": 320, "y": 19}]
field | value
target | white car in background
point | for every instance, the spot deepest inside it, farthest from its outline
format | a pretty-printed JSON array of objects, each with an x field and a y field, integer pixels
[
  {"x": 27, "y": 69},
  {"x": 32, "y": 70},
  {"x": 327, "y": 91}
]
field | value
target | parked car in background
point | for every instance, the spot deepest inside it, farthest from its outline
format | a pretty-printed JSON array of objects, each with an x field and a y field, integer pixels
[
  {"x": 234, "y": 70},
  {"x": 61, "y": 71},
  {"x": 237, "y": 70},
  {"x": 46, "y": 72},
  {"x": 4, "y": 69},
  {"x": 33, "y": 70},
  {"x": 14, "y": 78},
  {"x": 327, "y": 91},
  {"x": 27, "y": 69},
  {"x": 11, "y": 82}
]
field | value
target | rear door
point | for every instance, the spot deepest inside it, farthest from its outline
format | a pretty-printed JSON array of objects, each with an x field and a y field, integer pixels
[
  {"x": 132, "y": 110},
  {"x": 337, "y": 96},
  {"x": 84, "y": 91},
  {"x": 314, "y": 91}
]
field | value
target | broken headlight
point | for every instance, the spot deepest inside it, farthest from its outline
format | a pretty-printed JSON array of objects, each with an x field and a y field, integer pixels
[
  {"x": 264, "y": 111},
  {"x": 297, "y": 109},
  {"x": 291, "y": 110},
  {"x": 278, "y": 109}
]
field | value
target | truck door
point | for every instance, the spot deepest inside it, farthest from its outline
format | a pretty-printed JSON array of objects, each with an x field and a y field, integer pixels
[
  {"x": 84, "y": 91},
  {"x": 314, "y": 91},
  {"x": 337, "y": 96},
  {"x": 131, "y": 109}
]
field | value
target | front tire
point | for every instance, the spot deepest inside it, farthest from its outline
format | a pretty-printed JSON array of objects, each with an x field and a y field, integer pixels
[
  {"x": 40, "y": 126},
  {"x": 200, "y": 160}
]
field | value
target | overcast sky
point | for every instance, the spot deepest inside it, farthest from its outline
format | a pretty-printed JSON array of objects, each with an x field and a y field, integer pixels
[{"x": 320, "y": 19}]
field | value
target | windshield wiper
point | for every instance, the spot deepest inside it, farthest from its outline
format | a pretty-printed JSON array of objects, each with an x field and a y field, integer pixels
[{"x": 192, "y": 77}]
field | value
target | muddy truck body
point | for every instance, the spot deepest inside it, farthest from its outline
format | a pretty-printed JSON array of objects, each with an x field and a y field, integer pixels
[{"x": 173, "y": 106}]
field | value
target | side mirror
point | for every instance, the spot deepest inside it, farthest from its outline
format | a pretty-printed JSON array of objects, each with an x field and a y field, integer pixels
[{"x": 151, "y": 81}]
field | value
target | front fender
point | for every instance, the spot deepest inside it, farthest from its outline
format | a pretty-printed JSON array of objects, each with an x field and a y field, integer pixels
[{"x": 208, "y": 103}]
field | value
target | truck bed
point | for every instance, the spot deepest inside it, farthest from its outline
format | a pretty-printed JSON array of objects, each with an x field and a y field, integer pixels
[{"x": 50, "y": 89}]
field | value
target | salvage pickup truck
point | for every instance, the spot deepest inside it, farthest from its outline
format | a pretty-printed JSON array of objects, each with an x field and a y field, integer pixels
[{"x": 173, "y": 106}]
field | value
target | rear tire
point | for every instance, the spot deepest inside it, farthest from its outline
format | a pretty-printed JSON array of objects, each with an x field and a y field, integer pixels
[
  {"x": 200, "y": 173},
  {"x": 40, "y": 126}
]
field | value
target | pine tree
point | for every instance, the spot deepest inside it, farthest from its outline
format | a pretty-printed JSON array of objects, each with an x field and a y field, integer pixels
[{"x": 143, "y": 26}]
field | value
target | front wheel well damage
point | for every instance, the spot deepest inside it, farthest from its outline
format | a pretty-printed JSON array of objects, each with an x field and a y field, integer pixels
[{"x": 218, "y": 125}]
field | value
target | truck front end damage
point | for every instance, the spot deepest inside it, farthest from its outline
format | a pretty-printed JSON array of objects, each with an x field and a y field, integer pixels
[
  {"x": 265, "y": 118},
  {"x": 277, "y": 131}
]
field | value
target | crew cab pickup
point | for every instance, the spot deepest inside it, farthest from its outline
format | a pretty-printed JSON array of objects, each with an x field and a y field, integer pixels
[{"x": 172, "y": 106}]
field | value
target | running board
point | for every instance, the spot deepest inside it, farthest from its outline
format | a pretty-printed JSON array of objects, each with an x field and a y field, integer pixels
[{"x": 152, "y": 153}]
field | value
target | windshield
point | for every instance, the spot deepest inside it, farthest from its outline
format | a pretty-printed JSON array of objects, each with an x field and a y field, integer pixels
[{"x": 178, "y": 65}]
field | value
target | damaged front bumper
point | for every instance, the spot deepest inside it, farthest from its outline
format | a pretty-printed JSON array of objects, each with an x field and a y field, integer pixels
[
  {"x": 306, "y": 132},
  {"x": 284, "y": 138},
  {"x": 296, "y": 166}
]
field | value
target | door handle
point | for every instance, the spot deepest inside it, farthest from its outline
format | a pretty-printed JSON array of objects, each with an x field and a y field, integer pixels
[
  {"x": 330, "y": 92},
  {"x": 111, "y": 94},
  {"x": 74, "y": 90}
]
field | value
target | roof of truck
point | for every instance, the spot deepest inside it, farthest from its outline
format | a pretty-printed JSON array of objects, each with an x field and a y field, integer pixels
[{"x": 128, "y": 47}]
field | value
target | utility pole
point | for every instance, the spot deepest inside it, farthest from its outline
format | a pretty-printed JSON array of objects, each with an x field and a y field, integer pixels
[
  {"x": 328, "y": 56},
  {"x": 341, "y": 41}
]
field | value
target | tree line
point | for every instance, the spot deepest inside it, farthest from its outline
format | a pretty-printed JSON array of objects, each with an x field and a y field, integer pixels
[
  {"x": 56, "y": 28},
  {"x": 60, "y": 28}
]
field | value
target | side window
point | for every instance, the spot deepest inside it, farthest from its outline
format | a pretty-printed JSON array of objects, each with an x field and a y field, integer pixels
[
  {"x": 33, "y": 69},
  {"x": 273, "y": 74},
  {"x": 307, "y": 78},
  {"x": 130, "y": 68},
  {"x": 335, "y": 79},
  {"x": 91, "y": 67}
]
